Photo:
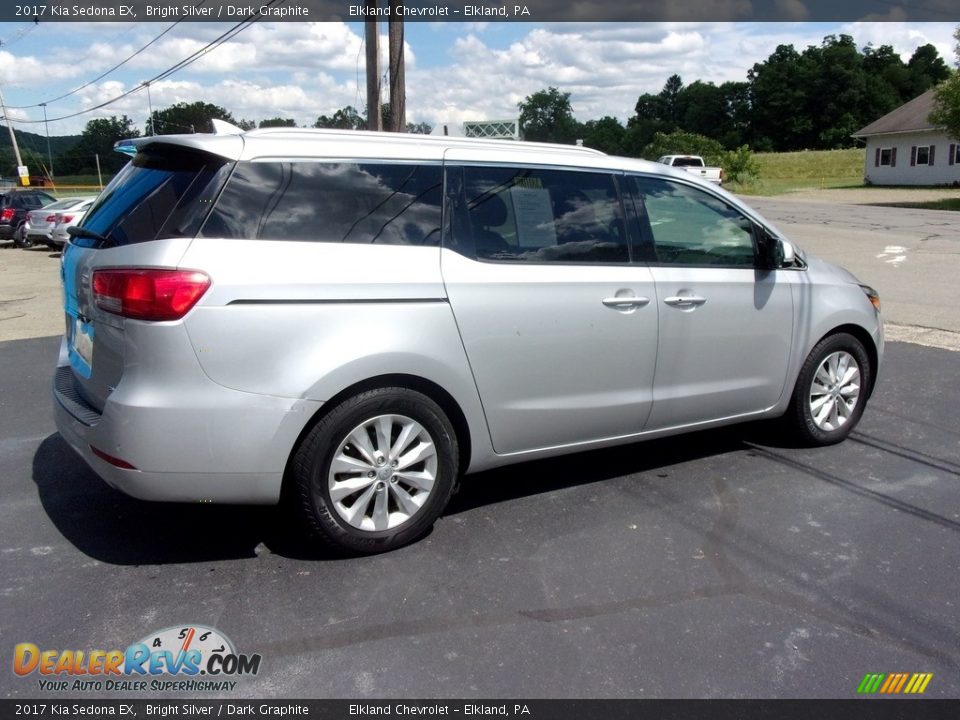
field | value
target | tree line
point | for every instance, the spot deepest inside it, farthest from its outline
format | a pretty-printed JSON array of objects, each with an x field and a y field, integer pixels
[{"x": 793, "y": 100}]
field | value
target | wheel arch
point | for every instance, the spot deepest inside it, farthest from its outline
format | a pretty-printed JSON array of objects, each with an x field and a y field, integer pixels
[
  {"x": 429, "y": 388},
  {"x": 861, "y": 334}
]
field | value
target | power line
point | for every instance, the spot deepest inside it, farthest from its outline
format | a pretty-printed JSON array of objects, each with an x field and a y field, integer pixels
[
  {"x": 104, "y": 74},
  {"x": 187, "y": 61},
  {"x": 21, "y": 34},
  {"x": 99, "y": 77}
]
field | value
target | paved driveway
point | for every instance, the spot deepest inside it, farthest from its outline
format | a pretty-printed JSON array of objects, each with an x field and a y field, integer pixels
[
  {"x": 912, "y": 257},
  {"x": 721, "y": 564}
]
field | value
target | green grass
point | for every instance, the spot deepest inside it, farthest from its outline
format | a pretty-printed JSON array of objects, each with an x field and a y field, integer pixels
[
  {"x": 805, "y": 170},
  {"x": 79, "y": 180}
]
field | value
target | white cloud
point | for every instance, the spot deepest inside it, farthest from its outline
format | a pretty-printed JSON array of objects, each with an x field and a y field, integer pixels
[
  {"x": 302, "y": 70},
  {"x": 905, "y": 37},
  {"x": 21, "y": 70}
]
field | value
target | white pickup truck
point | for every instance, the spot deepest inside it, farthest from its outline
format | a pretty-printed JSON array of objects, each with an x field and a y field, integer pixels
[{"x": 694, "y": 164}]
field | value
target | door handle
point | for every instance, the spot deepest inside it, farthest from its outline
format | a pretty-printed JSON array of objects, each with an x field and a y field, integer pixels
[
  {"x": 625, "y": 302},
  {"x": 685, "y": 300}
]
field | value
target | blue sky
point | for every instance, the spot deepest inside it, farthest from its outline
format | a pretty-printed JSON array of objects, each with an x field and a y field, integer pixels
[{"x": 455, "y": 71}]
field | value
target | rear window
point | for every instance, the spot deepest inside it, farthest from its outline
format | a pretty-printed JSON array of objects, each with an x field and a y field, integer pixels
[
  {"x": 384, "y": 203},
  {"x": 164, "y": 191}
]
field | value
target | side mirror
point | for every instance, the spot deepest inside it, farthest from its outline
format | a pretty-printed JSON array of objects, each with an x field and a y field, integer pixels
[
  {"x": 788, "y": 256},
  {"x": 774, "y": 253}
]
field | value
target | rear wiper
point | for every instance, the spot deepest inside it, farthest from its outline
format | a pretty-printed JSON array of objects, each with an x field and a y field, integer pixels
[{"x": 82, "y": 232}]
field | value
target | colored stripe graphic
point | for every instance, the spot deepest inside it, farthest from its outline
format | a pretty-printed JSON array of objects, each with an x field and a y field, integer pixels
[
  {"x": 903, "y": 679},
  {"x": 870, "y": 683},
  {"x": 918, "y": 683},
  {"x": 894, "y": 683},
  {"x": 890, "y": 683}
]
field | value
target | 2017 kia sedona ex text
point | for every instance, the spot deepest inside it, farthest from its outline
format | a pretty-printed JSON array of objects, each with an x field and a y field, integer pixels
[{"x": 352, "y": 321}]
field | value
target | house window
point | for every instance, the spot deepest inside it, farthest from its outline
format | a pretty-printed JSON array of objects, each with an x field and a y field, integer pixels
[
  {"x": 922, "y": 154},
  {"x": 955, "y": 154},
  {"x": 886, "y": 156}
]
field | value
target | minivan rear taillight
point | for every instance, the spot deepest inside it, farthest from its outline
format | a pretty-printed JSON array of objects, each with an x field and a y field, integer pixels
[
  {"x": 148, "y": 294},
  {"x": 7, "y": 214}
]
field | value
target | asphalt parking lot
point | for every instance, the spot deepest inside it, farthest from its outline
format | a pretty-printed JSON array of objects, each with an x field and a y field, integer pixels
[{"x": 722, "y": 564}]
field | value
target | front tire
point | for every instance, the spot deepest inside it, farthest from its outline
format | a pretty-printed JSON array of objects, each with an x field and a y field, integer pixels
[
  {"x": 831, "y": 390},
  {"x": 376, "y": 471}
]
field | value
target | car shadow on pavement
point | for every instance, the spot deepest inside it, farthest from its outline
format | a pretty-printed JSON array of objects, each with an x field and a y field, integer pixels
[
  {"x": 540, "y": 476},
  {"x": 111, "y": 527}
]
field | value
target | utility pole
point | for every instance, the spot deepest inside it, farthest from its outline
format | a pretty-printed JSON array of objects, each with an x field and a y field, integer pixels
[
  {"x": 371, "y": 30},
  {"x": 13, "y": 139},
  {"x": 398, "y": 90},
  {"x": 47, "y": 127},
  {"x": 150, "y": 107}
]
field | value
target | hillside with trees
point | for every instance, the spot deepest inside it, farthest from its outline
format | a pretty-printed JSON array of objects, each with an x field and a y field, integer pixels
[{"x": 33, "y": 151}]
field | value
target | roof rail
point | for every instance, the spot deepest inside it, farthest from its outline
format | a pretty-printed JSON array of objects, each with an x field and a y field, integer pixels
[{"x": 393, "y": 137}]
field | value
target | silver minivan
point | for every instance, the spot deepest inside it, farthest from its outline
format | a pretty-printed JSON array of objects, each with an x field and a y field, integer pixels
[{"x": 351, "y": 321}]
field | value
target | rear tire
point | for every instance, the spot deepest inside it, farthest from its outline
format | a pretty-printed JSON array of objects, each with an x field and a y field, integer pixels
[
  {"x": 20, "y": 238},
  {"x": 831, "y": 390},
  {"x": 376, "y": 471}
]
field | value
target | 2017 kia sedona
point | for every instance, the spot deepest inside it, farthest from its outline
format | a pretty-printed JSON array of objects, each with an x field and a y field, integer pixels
[{"x": 354, "y": 320}]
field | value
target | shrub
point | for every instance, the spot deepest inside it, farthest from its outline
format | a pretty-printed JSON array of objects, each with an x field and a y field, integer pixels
[{"x": 740, "y": 166}]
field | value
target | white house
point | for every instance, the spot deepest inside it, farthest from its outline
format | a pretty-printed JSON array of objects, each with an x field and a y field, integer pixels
[{"x": 905, "y": 148}]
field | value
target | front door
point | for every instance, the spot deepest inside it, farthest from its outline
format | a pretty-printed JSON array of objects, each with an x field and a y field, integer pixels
[{"x": 725, "y": 325}]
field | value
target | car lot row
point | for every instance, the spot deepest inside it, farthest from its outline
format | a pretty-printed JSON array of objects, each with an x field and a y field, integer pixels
[{"x": 34, "y": 217}]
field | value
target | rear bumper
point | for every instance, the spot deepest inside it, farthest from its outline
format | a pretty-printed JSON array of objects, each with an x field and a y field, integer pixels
[
  {"x": 38, "y": 234},
  {"x": 207, "y": 444},
  {"x": 7, "y": 232}
]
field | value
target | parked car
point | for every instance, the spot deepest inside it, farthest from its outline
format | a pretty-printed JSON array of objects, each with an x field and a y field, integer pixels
[
  {"x": 695, "y": 165},
  {"x": 66, "y": 218},
  {"x": 14, "y": 205},
  {"x": 39, "y": 225},
  {"x": 351, "y": 321}
]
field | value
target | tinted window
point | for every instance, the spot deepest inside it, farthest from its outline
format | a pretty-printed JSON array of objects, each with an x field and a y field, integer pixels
[
  {"x": 692, "y": 227},
  {"x": 38, "y": 200},
  {"x": 165, "y": 191},
  {"x": 538, "y": 215},
  {"x": 392, "y": 204}
]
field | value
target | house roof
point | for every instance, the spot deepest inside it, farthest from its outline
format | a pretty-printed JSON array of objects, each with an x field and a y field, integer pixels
[{"x": 912, "y": 116}]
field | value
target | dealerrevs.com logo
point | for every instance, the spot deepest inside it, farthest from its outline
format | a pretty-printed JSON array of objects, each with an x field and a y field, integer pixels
[{"x": 176, "y": 659}]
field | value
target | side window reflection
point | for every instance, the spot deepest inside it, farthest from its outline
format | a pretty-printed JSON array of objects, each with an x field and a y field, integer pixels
[
  {"x": 543, "y": 216},
  {"x": 692, "y": 227}
]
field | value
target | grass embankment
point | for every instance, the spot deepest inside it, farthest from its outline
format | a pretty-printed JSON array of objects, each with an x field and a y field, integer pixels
[
  {"x": 75, "y": 185},
  {"x": 804, "y": 170}
]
